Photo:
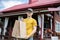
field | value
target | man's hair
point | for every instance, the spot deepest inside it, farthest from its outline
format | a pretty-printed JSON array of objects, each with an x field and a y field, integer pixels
[{"x": 29, "y": 10}]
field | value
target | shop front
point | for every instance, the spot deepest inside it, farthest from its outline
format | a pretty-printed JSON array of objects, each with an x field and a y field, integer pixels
[{"x": 45, "y": 15}]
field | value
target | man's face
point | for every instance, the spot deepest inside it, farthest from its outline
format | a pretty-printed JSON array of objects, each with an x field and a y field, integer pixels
[{"x": 29, "y": 14}]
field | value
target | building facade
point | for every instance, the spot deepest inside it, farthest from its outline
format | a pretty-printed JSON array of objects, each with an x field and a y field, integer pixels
[{"x": 45, "y": 12}]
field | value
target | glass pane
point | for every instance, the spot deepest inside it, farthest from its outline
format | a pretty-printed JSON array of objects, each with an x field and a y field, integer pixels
[{"x": 56, "y": 28}]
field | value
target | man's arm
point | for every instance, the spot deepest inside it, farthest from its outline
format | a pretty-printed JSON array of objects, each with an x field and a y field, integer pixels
[{"x": 32, "y": 33}]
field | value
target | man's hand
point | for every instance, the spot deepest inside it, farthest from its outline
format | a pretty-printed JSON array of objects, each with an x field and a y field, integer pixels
[
  {"x": 27, "y": 37},
  {"x": 32, "y": 33}
]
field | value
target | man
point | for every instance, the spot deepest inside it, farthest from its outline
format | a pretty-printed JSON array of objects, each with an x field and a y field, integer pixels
[{"x": 31, "y": 24}]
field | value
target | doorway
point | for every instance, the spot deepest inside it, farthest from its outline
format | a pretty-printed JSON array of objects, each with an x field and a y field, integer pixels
[{"x": 47, "y": 27}]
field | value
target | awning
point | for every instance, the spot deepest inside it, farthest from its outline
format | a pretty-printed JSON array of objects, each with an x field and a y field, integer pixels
[
  {"x": 35, "y": 4},
  {"x": 53, "y": 9}
]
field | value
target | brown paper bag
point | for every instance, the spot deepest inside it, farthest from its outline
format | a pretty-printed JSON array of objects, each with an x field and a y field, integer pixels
[
  {"x": 16, "y": 29},
  {"x": 19, "y": 30},
  {"x": 22, "y": 30}
]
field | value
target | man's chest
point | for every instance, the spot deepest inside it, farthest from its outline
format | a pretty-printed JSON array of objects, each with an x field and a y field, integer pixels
[{"x": 28, "y": 21}]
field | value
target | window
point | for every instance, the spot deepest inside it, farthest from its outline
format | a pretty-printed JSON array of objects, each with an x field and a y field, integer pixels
[{"x": 57, "y": 26}]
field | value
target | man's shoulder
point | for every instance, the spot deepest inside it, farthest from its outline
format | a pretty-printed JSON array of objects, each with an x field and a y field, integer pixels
[
  {"x": 33, "y": 19},
  {"x": 25, "y": 19}
]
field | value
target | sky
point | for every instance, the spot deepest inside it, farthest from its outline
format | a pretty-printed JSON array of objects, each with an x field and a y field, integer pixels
[{"x": 9, "y": 3}]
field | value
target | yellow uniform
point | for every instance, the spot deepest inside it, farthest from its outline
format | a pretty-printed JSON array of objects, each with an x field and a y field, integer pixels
[{"x": 30, "y": 23}]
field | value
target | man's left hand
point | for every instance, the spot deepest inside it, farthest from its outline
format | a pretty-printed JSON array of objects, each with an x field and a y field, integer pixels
[{"x": 28, "y": 36}]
